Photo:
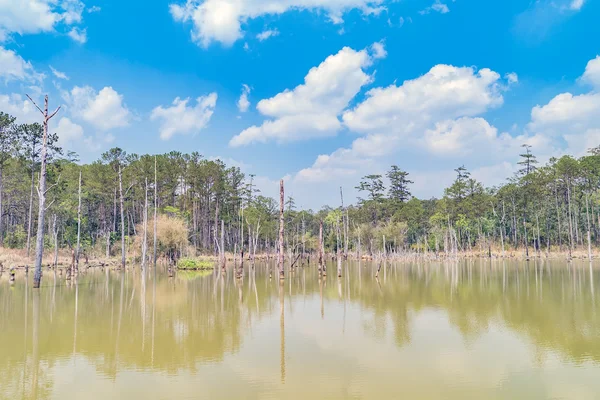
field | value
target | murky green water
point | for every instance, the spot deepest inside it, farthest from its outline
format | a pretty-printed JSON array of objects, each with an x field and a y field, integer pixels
[{"x": 478, "y": 330}]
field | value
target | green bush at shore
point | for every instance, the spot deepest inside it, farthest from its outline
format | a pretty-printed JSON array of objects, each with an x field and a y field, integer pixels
[{"x": 191, "y": 264}]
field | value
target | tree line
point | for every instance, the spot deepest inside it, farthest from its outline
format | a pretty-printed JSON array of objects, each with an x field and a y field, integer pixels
[{"x": 103, "y": 207}]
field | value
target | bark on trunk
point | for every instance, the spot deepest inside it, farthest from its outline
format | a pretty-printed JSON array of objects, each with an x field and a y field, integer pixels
[
  {"x": 78, "y": 225},
  {"x": 145, "y": 242},
  {"x": 122, "y": 217},
  {"x": 155, "y": 209},
  {"x": 281, "y": 228},
  {"x": 39, "y": 246}
]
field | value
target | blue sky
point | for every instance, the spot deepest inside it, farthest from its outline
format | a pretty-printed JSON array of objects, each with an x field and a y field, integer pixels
[{"x": 337, "y": 89}]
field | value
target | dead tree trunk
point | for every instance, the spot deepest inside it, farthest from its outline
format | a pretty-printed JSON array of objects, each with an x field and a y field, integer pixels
[
  {"x": 123, "y": 250},
  {"x": 589, "y": 238},
  {"x": 155, "y": 209},
  {"x": 39, "y": 246},
  {"x": 78, "y": 225},
  {"x": 222, "y": 248},
  {"x": 145, "y": 242},
  {"x": 281, "y": 228}
]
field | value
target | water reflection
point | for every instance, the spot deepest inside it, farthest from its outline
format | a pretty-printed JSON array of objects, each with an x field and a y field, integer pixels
[{"x": 348, "y": 336}]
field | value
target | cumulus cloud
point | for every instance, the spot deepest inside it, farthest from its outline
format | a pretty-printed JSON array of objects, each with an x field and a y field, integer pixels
[
  {"x": 378, "y": 50},
  {"x": 267, "y": 34},
  {"x": 311, "y": 109},
  {"x": 221, "y": 20},
  {"x": 78, "y": 35},
  {"x": 68, "y": 132},
  {"x": 243, "y": 103},
  {"x": 445, "y": 92},
  {"x": 184, "y": 119},
  {"x": 104, "y": 110},
  {"x": 15, "y": 68},
  {"x": 19, "y": 107},
  {"x": 592, "y": 73},
  {"x": 35, "y": 16}
]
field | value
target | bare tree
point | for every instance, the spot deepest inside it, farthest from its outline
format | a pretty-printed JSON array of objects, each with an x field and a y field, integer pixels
[
  {"x": 39, "y": 246},
  {"x": 123, "y": 250},
  {"x": 155, "y": 208},
  {"x": 281, "y": 228},
  {"x": 145, "y": 242},
  {"x": 78, "y": 225}
]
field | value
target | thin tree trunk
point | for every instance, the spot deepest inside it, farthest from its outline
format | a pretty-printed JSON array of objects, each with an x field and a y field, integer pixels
[
  {"x": 223, "y": 245},
  {"x": 589, "y": 239},
  {"x": 78, "y": 224},
  {"x": 281, "y": 228},
  {"x": 39, "y": 246},
  {"x": 145, "y": 242},
  {"x": 123, "y": 250},
  {"x": 155, "y": 209},
  {"x": 320, "y": 247}
]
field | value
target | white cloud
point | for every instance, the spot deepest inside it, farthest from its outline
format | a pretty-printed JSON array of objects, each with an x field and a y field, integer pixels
[
  {"x": 78, "y": 35},
  {"x": 35, "y": 16},
  {"x": 440, "y": 7},
  {"x": 58, "y": 74},
  {"x": 221, "y": 20},
  {"x": 592, "y": 73},
  {"x": 576, "y": 5},
  {"x": 14, "y": 68},
  {"x": 566, "y": 113},
  {"x": 94, "y": 9},
  {"x": 19, "y": 107},
  {"x": 267, "y": 34},
  {"x": 243, "y": 103},
  {"x": 445, "y": 92},
  {"x": 512, "y": 78},
  {"x": 378, "y": 50},
  {"x": 104, "y": 110},
  {"x": 311, "y": 109},
  {"x": 179, "y": 118},
  {"x": 68, "y": 132},
  {"x": 437, "y": 6}
]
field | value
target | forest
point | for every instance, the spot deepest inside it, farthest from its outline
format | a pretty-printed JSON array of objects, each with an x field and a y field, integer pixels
[{"x": 101, "y": 208}]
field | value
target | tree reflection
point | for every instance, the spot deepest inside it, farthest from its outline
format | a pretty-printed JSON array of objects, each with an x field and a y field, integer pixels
[{"x": 201, "y": 320}]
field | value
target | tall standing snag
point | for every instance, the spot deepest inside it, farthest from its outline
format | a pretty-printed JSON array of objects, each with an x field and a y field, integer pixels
[
  {"x": 281, "y": 228},
  {"x": 78, "y": 225},
  {"x": 145, "y": 240},
  {"x": 122, "y": 217},
  {"x": 39, "y": 245},
  {"x": 155, "y": 208}
]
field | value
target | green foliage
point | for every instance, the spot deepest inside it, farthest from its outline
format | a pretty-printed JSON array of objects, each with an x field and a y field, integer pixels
[
  {"x": 16, "y": 238},
  {"x": 194, "y": 264}
]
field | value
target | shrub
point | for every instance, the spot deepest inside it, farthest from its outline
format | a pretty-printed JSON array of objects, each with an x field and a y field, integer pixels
[{"x": 194, "y": 264}]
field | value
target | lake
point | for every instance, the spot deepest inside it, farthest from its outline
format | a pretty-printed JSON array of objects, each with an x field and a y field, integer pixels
[{"x": 480, "y": 329}]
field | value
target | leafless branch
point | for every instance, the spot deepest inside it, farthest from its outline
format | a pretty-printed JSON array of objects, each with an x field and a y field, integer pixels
[
  {"x": 54, "y": 113},
  {"x": 36, "y": 106},
  {"x": 53, "y": 186},
  {"x": 50, "y": 205}
]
